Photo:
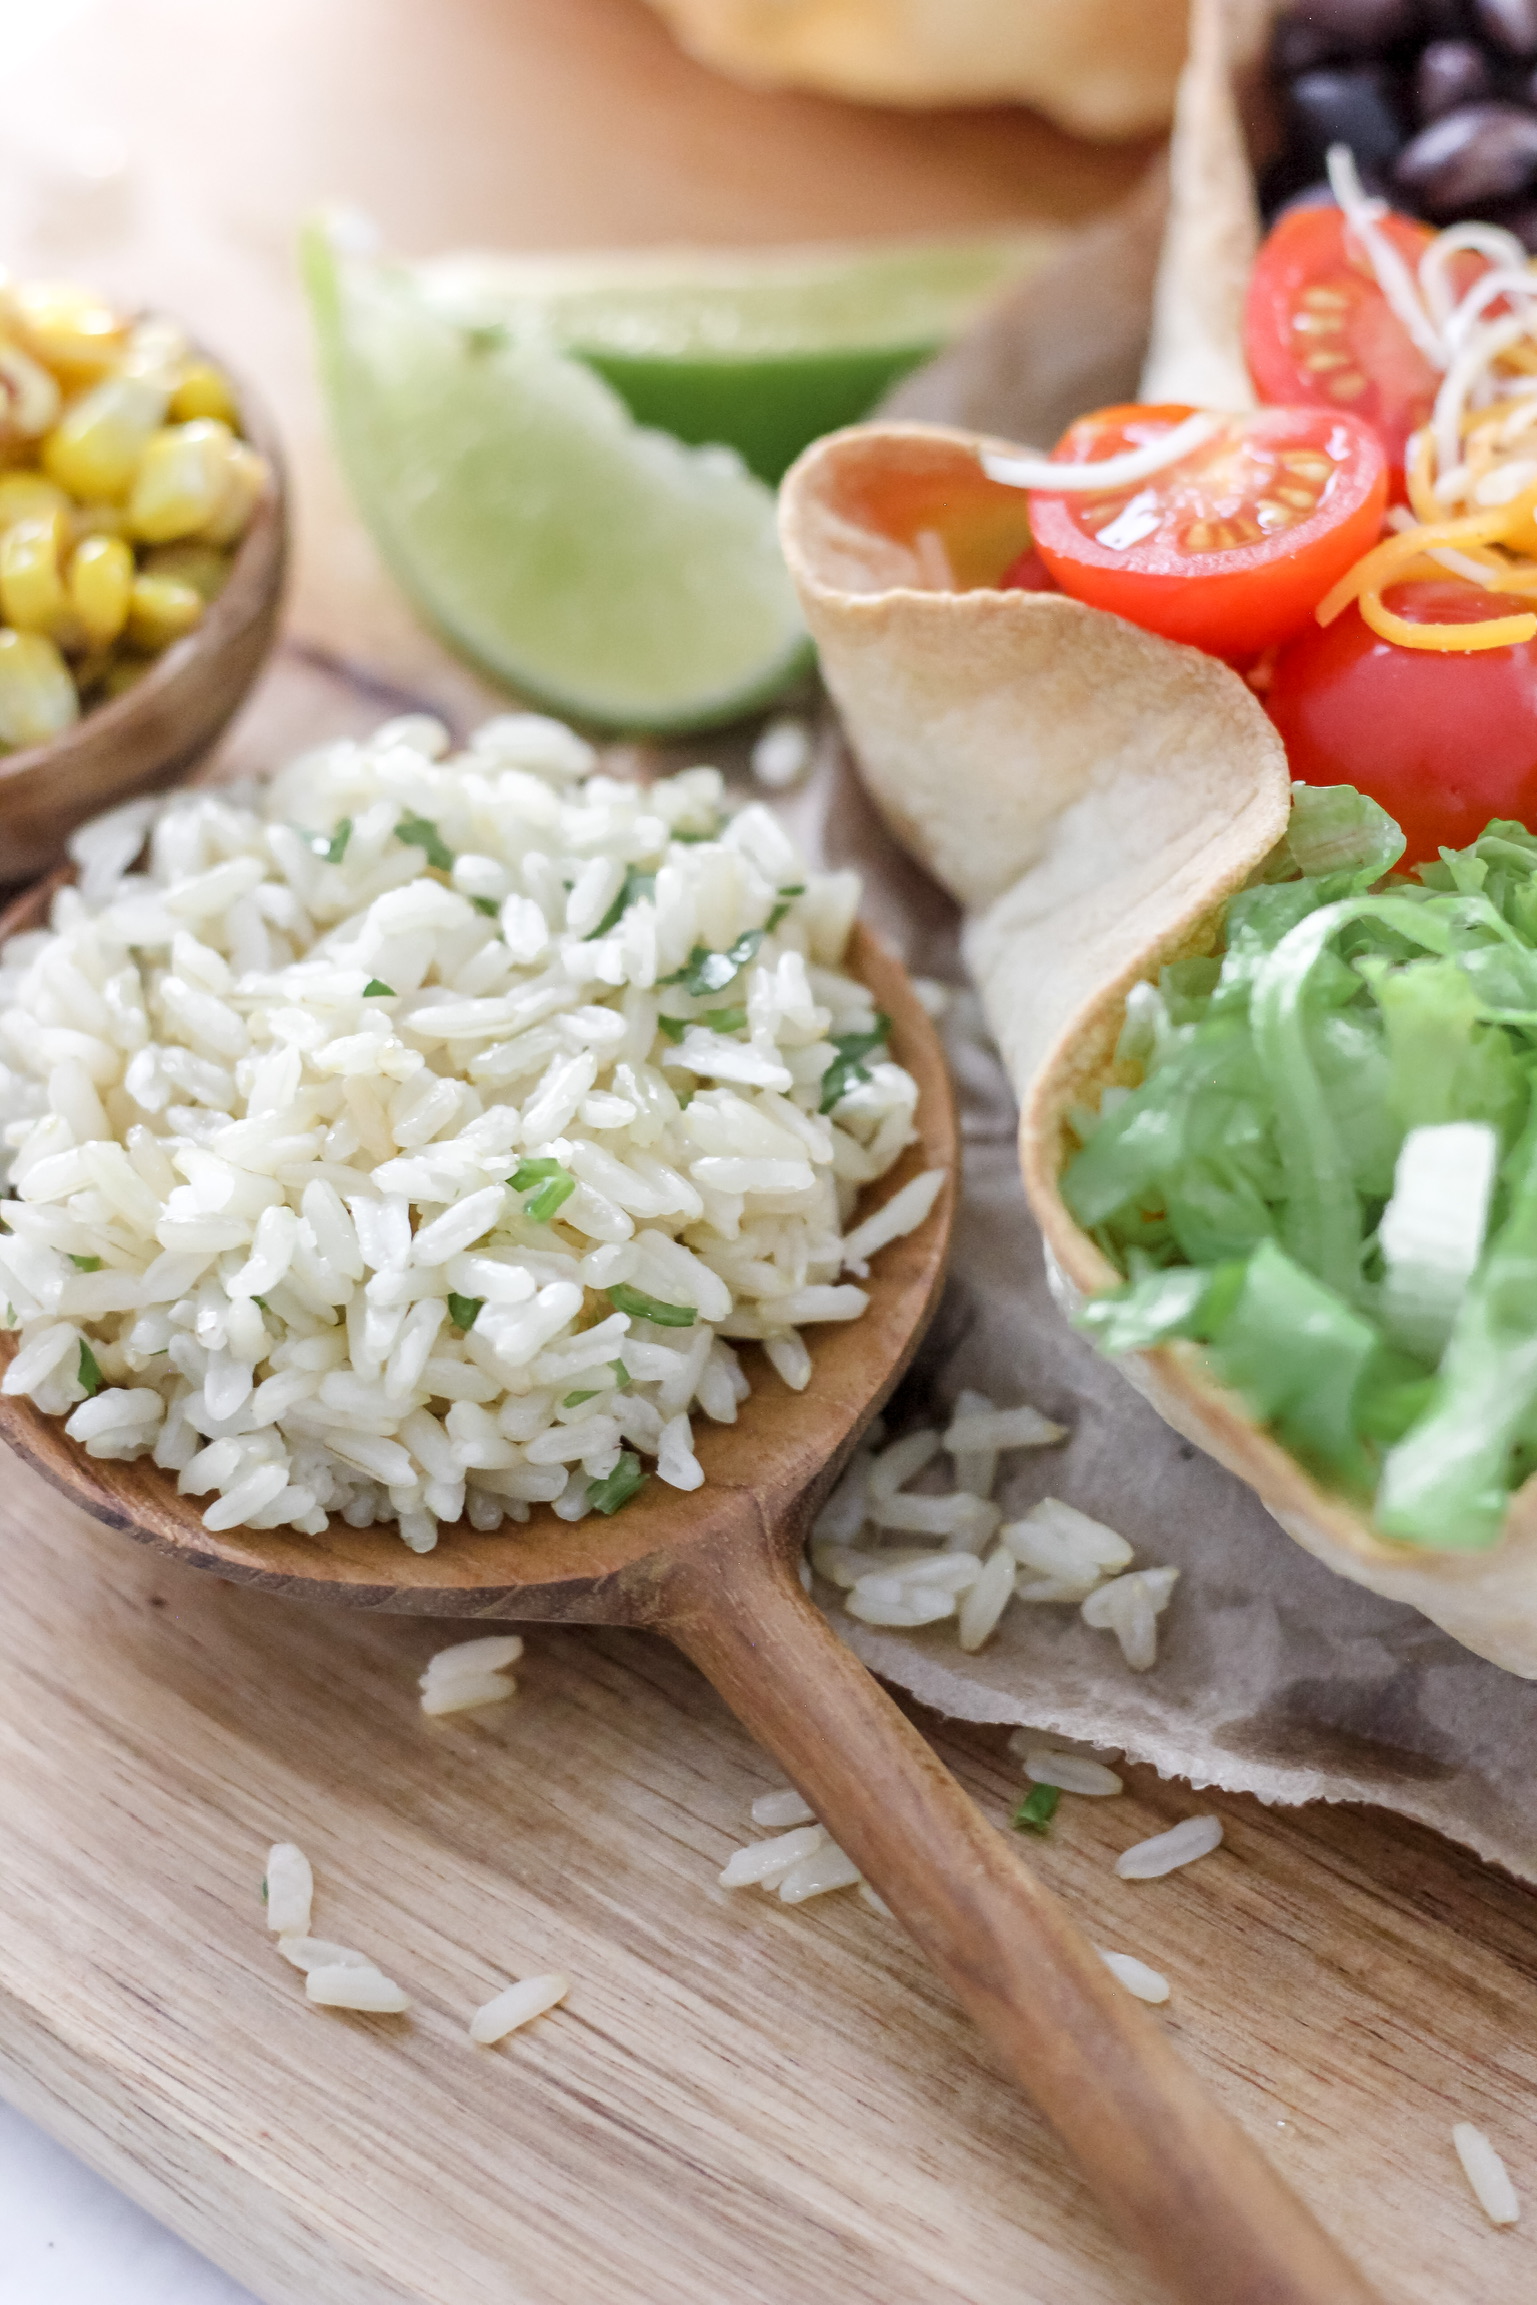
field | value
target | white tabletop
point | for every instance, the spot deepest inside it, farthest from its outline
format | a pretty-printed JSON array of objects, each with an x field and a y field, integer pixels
[{"x": 68, "y": 2238}]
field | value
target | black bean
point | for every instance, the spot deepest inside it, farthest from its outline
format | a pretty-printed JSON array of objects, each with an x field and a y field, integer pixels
[
  {"x": 1444, "y": 19},
  {"x": 1351, "y": 105},
  {"x": 1299, "y": 47},
  {"x": 1479, "y": 153},
  {"x": 1358, "y": 27},
  {"x": 1508, "y": 24},
  {"x": 1450, "y": 72}
]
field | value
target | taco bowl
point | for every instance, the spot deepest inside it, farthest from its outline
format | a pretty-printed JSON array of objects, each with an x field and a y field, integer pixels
[{"x": 1092, "y": 794}]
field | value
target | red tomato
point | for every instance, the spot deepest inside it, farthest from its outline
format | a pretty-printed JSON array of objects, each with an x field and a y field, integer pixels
[
  {"x": 1443, "y": 741},
  {"x": 1029, "y": 573},
  {"x": 1232, "y": 548},
  {"x": 1319, "y": 333}
]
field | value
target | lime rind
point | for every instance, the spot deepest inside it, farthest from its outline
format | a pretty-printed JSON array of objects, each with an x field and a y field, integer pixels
[{"x": 595, "y": 565}]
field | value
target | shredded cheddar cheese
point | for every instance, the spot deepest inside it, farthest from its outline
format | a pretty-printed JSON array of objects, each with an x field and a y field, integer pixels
[{"x": 1471, "y": 472}]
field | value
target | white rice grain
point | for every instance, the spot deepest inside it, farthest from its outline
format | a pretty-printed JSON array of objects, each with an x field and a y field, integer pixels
[
  {"x": 990, "y": 1428},
  {"x": 347, "y": 1987},
  {"x": 817, "y": 1875},
  {"x": 491, "y": 1653},
  {"x": 1071, "y": 1772},
  {"x": 290, "y": 1887},
  {"x": 517, "y": 2005},
  {"x": 781, "y": 1808},
  {"x": 764, "y": 1864},
  {"x": 983, "y": 1606},
  {"x": 465, "y": 1692},
  {"x": 1183, "y": 1843},
  {"x": 1130, "y": 1607},
  {"x": 1487, "y": 2174},
  {"x": 1143, "y": 1983},
  {"x": 319, "y": 1953},
  {"x": 902, "y": 1214}
]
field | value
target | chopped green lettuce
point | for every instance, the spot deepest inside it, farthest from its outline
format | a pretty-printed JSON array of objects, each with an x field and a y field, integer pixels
[{"x": 1242, "y": 1183}]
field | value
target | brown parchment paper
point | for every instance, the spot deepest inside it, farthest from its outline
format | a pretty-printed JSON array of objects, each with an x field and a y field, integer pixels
[{"x": 1274, "y": 1676}]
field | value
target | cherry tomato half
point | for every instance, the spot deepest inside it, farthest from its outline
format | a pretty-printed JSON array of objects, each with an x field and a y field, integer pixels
[
  {"x": 1232, "y": 548},
  {"x": 1319, "y": 333},
  {"x": 1443, "y": 741}
]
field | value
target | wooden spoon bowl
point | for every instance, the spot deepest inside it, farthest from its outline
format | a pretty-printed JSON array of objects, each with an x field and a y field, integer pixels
[
  {"x": 717, "y": 1571},
  {"x": 152, "y": 734}
]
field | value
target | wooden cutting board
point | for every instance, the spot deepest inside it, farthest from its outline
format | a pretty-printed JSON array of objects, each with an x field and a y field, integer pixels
[{"x": 741, "y": 2104}]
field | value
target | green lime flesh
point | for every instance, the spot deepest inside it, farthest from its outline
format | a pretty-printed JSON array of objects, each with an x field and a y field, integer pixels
[
  {"x": 600, "y": 567},
  {"x": 764, "y": 351}
]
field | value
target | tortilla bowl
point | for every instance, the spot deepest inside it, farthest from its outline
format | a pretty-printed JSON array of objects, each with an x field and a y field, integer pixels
[{"x": 1092, "y": 795}]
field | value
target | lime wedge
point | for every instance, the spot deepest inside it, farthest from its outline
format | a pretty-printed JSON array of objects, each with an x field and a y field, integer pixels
[
  {"x": 605, "y": 569},
  {"x": 763, "y": 350}
]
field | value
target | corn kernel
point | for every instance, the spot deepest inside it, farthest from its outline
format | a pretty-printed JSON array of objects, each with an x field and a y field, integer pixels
[
  {"x": 95, "y": 448},
  {"x": 69, "y": 329},
  {"x": 203, "y": 566},
  {"x": 37, "y": 696},
  {"x": 181, "y": 480},
  {"x": 29, "y": 397},
  {"x": 203, "y": 390},
  {"x": 245, "y": 476},
  {"x": 101, "y": 579},
  {"x": 28, "y": 496},
  {"x": 32, "y": 594},
  {"x": 161, "y": 610}
]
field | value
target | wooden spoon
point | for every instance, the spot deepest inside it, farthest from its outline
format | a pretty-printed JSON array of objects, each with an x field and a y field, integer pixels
[{"x": 717, "y": 1572}]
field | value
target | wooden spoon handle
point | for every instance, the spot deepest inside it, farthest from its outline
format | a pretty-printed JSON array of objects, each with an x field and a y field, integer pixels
[{"x": 1177, "y": 2178}]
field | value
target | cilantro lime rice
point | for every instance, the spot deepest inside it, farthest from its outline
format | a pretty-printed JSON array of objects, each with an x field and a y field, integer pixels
[
  {"x": 416, "y": 1138},
  {"x": 1326, "y": 1172}
]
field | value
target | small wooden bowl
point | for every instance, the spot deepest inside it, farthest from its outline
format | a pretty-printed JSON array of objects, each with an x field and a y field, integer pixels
[{"x": 152, "y": 735}]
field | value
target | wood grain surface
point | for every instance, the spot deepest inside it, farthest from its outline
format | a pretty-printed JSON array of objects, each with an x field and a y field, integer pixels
[{"x": 741, "y": 2101}]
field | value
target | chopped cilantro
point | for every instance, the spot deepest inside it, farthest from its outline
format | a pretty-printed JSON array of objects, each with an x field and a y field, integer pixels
[
  {"x": 87, "y": 1372},
  {"x": 488, "y": 905},
  {"x": 848, "y": 1067},
  {"x": 706, "y": 972},
  {"x": 86, "y": 1264},
  {"x": 625, "y": 1481},
  {"x": 787, "y": 897},
  {"x": 620, "y": 1371},
  {"x": 634, "y": 884},
  {"x": 725, "y": 1019},
  {"x": 575, "y": 1400},
  {"x": 10, "y": 1316},
  {"x": 640, "y": 1307},
  {"x": 673, "y": 1027},
  {"x": 419, "y": 832},
  {"x": 334, "y": 849},
  {"x": 266, "y": 1308},
  {"x": 688, "y": 838},
  {"x": 550, "y": 1185},
  {"x": 377, "y": 989},
  {"x": 464, "y": 1312},
  {"x": 1037, "y": 1809}
]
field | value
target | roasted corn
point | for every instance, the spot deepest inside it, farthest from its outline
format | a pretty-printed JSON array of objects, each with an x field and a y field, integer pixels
[{"x": 124, "y": 485}]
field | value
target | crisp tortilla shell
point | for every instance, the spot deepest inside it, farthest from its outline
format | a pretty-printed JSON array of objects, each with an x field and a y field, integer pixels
[
  {"x": 1103, "y": 68},
  {"x": 1092, "y": 795}
]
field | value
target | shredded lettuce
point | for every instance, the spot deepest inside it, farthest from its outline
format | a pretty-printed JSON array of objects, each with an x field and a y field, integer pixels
[{"x": 1325, "y": 1178}]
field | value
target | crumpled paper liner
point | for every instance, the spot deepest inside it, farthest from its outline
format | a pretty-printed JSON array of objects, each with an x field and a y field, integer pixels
[{"x": 1274, "y": 1676}]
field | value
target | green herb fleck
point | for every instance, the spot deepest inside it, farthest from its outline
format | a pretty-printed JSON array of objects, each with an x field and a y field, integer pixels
[
  {"x": 266, "y": 1308},
  {"x": 634, "y": 884},
  {"x": 1037, "y": 1809},
  {"x": 673, "y": 1027},
  {"x": 483, "y": 337},
  {"x": 377, "y": 989},
  {"x": 86, "y": 1264},
  {"x": 787, "y": 897},
  {"x": 621, "y": 1373},
  {"x": 554, "y": 1184},
  {"x": 705, "y": 972},
  {"x": 575, "y": 1400},
  {"x": 418, "y": 832},
  {"x": 264, "y": 1888},
  {"x": 848, "y": 1067},
  {"x": 689, "y": 838},
  {"x": 334, "y": 849},
  {"x": 625, "y": 1481},
  {"x": 88, "y": 1373},
  {"x": 640, "y": 1307},
  {"x": 725, "y": 1019},
  {"x": 464, "y": 1312},
  {"x": 488, "y": 905}
]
